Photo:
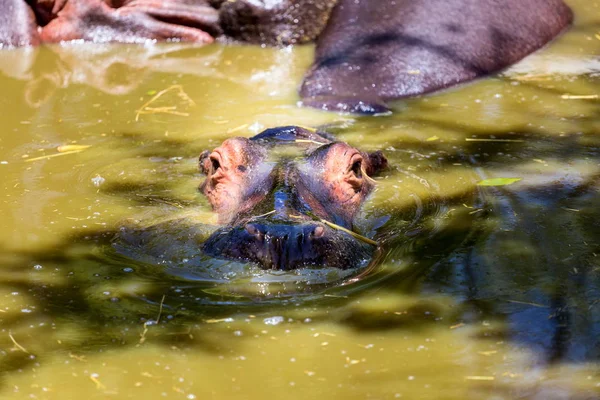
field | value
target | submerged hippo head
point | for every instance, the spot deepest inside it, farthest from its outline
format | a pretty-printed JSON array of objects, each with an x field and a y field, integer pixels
[{"x": 285, "y": 195}]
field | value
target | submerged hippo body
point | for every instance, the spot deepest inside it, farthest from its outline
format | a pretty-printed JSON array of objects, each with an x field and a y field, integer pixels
[
  {"x": 280, "y": 195},
  {"x": 368, "y": 52}
]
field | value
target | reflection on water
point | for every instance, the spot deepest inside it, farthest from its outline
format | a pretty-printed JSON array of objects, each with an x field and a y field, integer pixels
[{"x": 479, "y": 292}]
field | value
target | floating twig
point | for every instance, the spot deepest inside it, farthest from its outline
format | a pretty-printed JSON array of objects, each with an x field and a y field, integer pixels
[
  {"x": 17, "y": 345},
  {"x": 527, "y": 303},
  {"x": 72, "y": 147},
  {"x": 533, "y": 77},
  {"x": 53, "y": 155},
  {"x": 498, "y": 181},
  {"x": 494, "y": 140},
  {"x": 238, "y": 128},
  {"x": 94, "y": 378},
  {"x": 162, "y": 301},
  {"x": 579, "y": 96},
  {"x": 216, "y": 320},
  {"x": 266, "y": 214},
  {"x": 479, "y": 378},
  {"x": 309, "y": 141},
  {"x": 349, "y": 232},
  {"x": 150, "y": 322},
  {"x": 145, "y": 109}
]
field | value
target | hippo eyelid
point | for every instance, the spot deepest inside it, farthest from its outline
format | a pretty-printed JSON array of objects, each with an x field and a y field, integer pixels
[{"x": 241, "y": 168}]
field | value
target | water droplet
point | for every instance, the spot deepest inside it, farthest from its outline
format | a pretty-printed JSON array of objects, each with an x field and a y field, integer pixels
[
  {"x": 273, "y": 320},
  {"x": 98, "y": 180}
]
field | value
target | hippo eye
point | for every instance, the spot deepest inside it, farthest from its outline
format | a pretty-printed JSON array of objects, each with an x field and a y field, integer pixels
[{"x": 356, "y": 168}]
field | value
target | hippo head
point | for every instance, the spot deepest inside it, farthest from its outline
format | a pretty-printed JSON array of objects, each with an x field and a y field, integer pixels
[{"x": 287, "y": 198}]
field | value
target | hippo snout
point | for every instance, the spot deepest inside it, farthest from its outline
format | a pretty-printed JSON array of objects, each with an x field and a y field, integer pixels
[{"x": 281, "y": 246}]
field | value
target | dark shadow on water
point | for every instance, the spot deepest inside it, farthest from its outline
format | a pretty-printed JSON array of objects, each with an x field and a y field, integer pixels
[
  {"x": 524, "y": 255},
  {"x": 508, "y": 261}
]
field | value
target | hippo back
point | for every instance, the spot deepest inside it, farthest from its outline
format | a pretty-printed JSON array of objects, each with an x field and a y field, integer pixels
[{"x": 379, "y": 50}]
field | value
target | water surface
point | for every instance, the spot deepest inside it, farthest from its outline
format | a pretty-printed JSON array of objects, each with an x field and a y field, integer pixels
[{"x": 479, "y": 292}]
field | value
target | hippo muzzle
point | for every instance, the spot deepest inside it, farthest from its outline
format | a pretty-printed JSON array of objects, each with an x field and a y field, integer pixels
[
  {"x": 287, "y": 199},
  {"x": 286, "y": 247}
]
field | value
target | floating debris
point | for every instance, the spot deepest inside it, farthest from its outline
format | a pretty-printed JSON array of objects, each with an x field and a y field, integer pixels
[
  {"x": 498, "y": 181},
  {"x": 273, "y": 320},
  {"x": 94, "y": 378},
  {"x": 151, "y": 322},
  {"x": 98, "y": 180},
  {"x": 309, "y": 141},
  {"x": 479, "y": 378},
  {"x": 308, "y": 128},
  {"x": 17, "y": 345},
  {"x": 146, "y": 109},
  {"x": 527, "y": 303},
  {"x": 579, "y": 96},
  {"x": 238, "y": 128},
  {"x": 72, "y": 147},
  {"x": 217, "y": 320},
  {"x": 62, "y": 151},
  {"x": 349, "y": 232},
  {"x": 78, "y": 358},
  {"x": 494, "y": 140}
]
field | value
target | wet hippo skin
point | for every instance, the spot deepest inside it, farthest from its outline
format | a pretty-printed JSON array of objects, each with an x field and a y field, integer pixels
[
  {"x": 274, "y": 191},
  {"x": 379, "y": 50},
  {"x": 17, "y": 24},
  {"x": 133, "y": 21},
  {"x": 275, "y": 22},
  {"x": 370, "y": 52}
]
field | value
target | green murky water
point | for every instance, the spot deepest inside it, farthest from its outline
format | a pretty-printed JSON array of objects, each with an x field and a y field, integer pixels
[{"x": 479, "y": 292}]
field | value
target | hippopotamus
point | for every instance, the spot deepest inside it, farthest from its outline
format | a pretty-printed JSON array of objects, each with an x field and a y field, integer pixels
[
  {"x": 287, "y": 199},
  {"x": 375, "y": 51},
  {"x": 367, "y": 52}
]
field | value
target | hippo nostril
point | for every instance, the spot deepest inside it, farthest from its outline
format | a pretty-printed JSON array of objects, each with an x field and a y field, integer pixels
[
  {"x": 252, "y": 229},
  {"x": 318, "y": 232}
]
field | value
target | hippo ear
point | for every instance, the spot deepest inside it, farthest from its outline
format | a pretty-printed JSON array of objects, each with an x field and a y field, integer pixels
[
  {"x": 201, "y": 161},
  {"x": 377, "y": 163}
]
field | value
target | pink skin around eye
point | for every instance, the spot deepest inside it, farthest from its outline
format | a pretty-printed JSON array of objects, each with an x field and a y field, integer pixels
[
  {"x": 230, "y": 186},
  {"x": 332, "y": 187}
]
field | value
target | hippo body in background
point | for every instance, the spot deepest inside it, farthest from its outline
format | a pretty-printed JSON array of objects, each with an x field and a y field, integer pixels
[
  {"x": 368, "y": 52},
  {"x": 17, "y": 25},
  {"x": 371, "y": 52},
  {"x": 279, "y": 194},
  {"x": 126, "y": 21},
  {"x": 280, "y": 22}
]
